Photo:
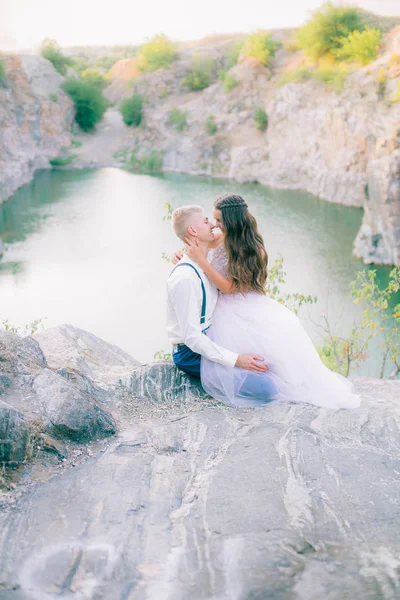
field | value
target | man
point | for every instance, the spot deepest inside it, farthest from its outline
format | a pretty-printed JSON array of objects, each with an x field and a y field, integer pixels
[{"x": 191, "y": 302}]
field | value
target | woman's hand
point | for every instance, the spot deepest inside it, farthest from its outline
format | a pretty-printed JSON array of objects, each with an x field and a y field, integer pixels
[
  {"x": 176, "y": 257},
  {"x": 193, "y": 250}
]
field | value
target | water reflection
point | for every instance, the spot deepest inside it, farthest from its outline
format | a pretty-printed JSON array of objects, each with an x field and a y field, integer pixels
[{"x": 85, "y": 247}]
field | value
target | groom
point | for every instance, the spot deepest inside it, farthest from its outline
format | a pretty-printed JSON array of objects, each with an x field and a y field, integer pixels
[{"x": 191, "y": 301}]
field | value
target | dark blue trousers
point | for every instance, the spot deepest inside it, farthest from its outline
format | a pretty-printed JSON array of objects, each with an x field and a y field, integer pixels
[{"x": 258, "y": 386}]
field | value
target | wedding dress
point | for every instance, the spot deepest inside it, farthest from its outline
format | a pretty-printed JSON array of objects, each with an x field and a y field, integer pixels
[{"x": 254, "y": 323}]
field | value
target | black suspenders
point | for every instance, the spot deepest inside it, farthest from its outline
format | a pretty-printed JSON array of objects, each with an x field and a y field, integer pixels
[{"x": 203, "y": 289}]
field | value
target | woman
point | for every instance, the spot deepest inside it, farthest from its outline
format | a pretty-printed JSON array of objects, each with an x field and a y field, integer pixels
[{"x": 247, "y": 320}]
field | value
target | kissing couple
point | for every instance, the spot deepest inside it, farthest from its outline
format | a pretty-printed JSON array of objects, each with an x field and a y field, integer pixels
[{"x": 247, "y": 349}]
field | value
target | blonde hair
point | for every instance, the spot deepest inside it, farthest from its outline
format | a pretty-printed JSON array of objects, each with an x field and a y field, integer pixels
[{"x": 181, "y": 217}]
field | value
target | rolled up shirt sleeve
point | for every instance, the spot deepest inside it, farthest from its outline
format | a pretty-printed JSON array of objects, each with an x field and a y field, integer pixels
[{"x": 187, "y": 303}]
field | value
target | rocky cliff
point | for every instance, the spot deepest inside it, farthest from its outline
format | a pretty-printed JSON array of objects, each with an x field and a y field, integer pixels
[
  {"x": 35, "y": 120},
  {"x": 191, "y": 498},
  {"x": 342, "y": 146}
]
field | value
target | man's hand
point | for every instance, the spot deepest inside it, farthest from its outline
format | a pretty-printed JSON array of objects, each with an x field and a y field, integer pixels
[
  {"x": 251, "y": 362},
  {"x": 176, "y": 257}
]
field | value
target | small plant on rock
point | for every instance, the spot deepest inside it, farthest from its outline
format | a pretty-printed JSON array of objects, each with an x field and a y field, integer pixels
[
  {"x": 178, "y": 119},
  {"x": 261, "y": 119},
  {"x": 211, "y": 126},
  {"x": 132, "y": 110}
]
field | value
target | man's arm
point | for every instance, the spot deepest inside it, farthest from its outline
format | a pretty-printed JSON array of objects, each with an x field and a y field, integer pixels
[{"x": 184, "y": 296}]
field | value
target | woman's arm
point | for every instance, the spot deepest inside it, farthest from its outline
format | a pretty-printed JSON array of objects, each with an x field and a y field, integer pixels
[{"x": 195, "y": 253}]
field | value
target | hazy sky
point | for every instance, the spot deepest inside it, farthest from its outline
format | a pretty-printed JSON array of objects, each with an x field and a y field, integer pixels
[{"x": 24, "y": 23}]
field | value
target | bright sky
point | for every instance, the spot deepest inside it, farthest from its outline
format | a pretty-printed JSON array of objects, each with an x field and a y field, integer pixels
[{"x": 24, "y": 23}]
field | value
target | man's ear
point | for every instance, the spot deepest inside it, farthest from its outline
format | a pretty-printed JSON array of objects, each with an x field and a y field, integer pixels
[{"x": 191, "y": 230}]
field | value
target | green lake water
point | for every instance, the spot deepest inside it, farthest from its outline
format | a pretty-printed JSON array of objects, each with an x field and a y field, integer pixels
[{"x": 84, "y": 247}]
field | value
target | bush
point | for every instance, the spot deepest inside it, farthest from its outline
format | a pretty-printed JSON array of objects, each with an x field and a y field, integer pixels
[
  {"x": 177, "y": 118},
  {"x": 360, "y": 46},
  {"x": 261, "y": 46},
  {"x": 198, "y": 75},
  {"x": 261, "y": 119},
  {"x": 132, "y": 110},
  {"x": 152, "y": 163},
  {"x": 53, "y": 97},
  {"x": 164, "y": 93},
  {"x": 296, "y": 75},
  {"x": 394, "y": 60},
  {"x": 158, "y": 53},
  {"x": 51, "y": 51},
  {"x": 332, "y": 74},
  {"x": 95, "y": 77},
  {"x": 211, "y": 126},
  {"x": 327, "y": 27},
  {"x": 228, "y": 80},
  {"x": 233, "y": 53},
  {"x": 90, "y": 104},
  {"x": 381, "y": 82},
  {"x": 2, "y": 70},
  {"x": 62, "y": 161},
  {"x": 396, "y": 97}
]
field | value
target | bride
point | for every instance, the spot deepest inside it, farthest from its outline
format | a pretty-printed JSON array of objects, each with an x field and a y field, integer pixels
[{"x": 246, "y": 320}]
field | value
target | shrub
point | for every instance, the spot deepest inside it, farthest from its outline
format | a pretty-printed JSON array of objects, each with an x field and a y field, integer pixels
[
  {"x": 381, "y": 82},
  {"x": 396, "y": 97},
  {"x": 394, "y": 60},
  {"x": 177, "y": 118},
  {"x": 296, "y": 75},
  {"x": 228, "y": 80},
  {"x": 53, "y": 97},
  {"x": 198, "y": 75},
  {"x": 95, "y": 77},
  {"x": 158, "y": 53},
  {"x": 151, "y": 163},
  {"x": 2, "y": 70},
  {"x": 51, "y": 51},
  {"x": 360, "y": 46},
  {"x": 90, "y": 104},
  {"x": 211, "y": 126},
  {"x": 261, "y": 46},
  {"x": 328, "y": 25},
  {"x": 62, "y": 161},
  {"x": 332, "y": 74},
  {"x": 132, "y": 110},
  {"x": 164, "y": 93},
  {"x": 233, "y": 53},
  {"x": 261, "y": 119}
]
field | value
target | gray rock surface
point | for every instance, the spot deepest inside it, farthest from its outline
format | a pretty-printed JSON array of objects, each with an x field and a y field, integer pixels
[
  {"x": 198, "y": 500},
  {"x": 35, "y": 120},
  {"x": 65, "y": 382},
  {"x": 161, "y": 381},
  {"x": 15, "y": 436}
]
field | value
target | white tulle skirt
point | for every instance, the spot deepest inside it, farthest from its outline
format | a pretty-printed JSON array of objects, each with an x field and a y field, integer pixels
[{"x": 254, "y": 323}]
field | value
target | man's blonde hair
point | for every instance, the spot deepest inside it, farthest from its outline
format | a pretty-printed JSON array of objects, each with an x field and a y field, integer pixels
[{"x": 181, "y": 218}]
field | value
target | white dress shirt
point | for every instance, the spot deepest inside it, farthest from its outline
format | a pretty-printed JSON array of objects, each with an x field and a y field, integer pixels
[{"x": 184, "y": 311}]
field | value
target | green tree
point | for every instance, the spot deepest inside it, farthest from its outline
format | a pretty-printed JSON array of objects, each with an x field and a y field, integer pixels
[
  {"x": 132, "y": 110},
  {"x": 361, "y": 46},
  {"x": 50, "y": 50},
  {"x": 327, "y": 27},
  {"x": 90, "y": 104},
  {"x": 158, "y": 53},
  {"x": 261, "y": 46},
  {"x": 199, "y": 73},
  {"x": 94, "y": 76}
]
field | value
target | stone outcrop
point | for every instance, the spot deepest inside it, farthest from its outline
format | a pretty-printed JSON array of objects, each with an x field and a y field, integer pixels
[
  {"x": 35, "y": 120},
  {"x": 194, "y": 499},
  {"x": 65, "y": 383}
]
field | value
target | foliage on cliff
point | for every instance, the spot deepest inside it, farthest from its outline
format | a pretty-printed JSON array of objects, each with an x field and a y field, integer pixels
[
  {"x": 132, "y": 110},
  {"x": 2, "y": 70},
  {"x": 51, "y": 51},
  {"x": 158, "y": 53},
  {"x": 90, "y": 104}
]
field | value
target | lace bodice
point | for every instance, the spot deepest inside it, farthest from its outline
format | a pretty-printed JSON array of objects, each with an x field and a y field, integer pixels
[{"x": 219, "y": 260}]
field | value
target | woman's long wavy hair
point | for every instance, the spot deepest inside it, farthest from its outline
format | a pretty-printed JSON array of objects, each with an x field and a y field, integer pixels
[{"x": 247, "y": 256}]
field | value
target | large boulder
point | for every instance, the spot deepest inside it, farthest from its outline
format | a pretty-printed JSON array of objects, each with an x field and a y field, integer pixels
[
  {"x": 161, "y": 381},
  {"x": 66, "y": 412},
  {"x": 15, "y": 436}
]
